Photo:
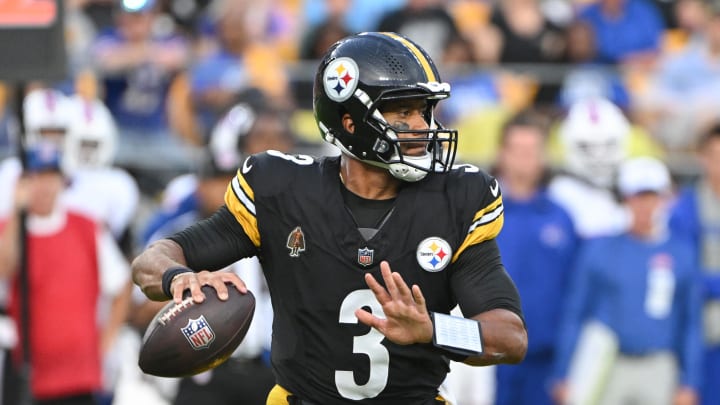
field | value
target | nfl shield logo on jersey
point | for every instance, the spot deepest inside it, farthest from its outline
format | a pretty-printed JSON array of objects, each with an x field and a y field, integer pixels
[
  {"x": 365, "y": 256},
  {"x": 198, "y": 333},
  {"x": 434, "y": 254}
]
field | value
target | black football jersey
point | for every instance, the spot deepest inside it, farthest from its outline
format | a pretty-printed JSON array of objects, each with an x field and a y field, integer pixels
[{"x": 314, "y": 259}]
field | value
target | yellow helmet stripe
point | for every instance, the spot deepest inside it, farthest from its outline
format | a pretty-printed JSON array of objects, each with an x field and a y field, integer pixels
[{"x": 418, "y": 54}]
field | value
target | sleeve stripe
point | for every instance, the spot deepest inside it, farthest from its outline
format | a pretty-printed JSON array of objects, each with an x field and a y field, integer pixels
[
  {"x": 242, "y": 196},
  {"x": 486, "y": 225},
  {"x": 239, "y": 200},
  {"x": 487, "y": 218},
  {"x": 491, "y": 207}
]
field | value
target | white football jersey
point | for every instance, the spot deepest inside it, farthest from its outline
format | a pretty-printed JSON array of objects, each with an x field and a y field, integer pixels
[
  {"x": 10, "y": 170},
  {"x": 594, "y": 210},
  {"x": 108, "y": 195}
]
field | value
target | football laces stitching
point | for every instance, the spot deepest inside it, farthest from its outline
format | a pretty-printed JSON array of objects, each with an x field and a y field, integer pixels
[{"x": 175, "y": 310}]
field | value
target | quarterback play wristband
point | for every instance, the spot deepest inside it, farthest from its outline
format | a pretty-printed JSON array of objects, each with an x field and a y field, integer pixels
[
  {"x": 168, "y": 277},
  {"x": 458, "y": 337}
]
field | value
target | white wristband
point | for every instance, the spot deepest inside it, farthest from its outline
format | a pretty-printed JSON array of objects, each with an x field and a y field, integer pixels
[{"x": 457, "y": 334}]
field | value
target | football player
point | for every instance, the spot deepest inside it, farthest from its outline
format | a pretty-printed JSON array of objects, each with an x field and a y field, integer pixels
[
  {"x": 107, "y": 193},
  {"x": 388, "y": 235},
  {"x": 46, "y": 119},
  {"x": 594, "y": 137}
]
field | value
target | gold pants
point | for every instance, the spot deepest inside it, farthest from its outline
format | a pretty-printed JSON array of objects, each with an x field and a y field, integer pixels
[{"x": 279, "y": 396}]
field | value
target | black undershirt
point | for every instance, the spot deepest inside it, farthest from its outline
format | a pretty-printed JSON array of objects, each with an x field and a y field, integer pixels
[{"x": 369, "y": 215}]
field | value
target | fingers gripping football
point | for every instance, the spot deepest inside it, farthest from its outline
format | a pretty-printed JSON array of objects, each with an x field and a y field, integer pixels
[
  {"x": 406, "y": 317},
  {"x": 195, "y": 281}
]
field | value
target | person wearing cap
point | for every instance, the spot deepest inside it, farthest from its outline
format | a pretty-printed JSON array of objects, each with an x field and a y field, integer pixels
[
  {"x": 73, "y": 266},
  {"x": 642, "y": 285},
  {"x": 696, "y": 214}
]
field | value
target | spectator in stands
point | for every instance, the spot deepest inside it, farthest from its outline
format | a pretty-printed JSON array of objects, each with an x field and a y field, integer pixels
[
  {"x": 473, "y": 90},
  {"x": 685, "y": 94},
  {"x": 642, "y": 286},
  {"x": 527, "y": 36},
  {"x": 362, "y": 15},
  {"x": 691, "y": 18},
  {"x": 586, "y": 78},
  {"x": 243, "y": 60},
  {"x": 626, "y": 30},
  {"x": 697, "y": 216},
  {"x": 318, "y": 37},
  {"x": 425, "y": 21},
  {"x": 137, "y": 63},
  {"x": 69, "y": 332}
]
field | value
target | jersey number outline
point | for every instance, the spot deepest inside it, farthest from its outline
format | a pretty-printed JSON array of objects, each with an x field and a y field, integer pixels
[
  {"x": 369, "y": 344},
  {"x": 466, "y": 167},
  {"x": 302, "y": 160}
]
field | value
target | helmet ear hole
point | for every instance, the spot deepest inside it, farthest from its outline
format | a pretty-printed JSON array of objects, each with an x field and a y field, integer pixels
[{"x": 348, "y": 123}]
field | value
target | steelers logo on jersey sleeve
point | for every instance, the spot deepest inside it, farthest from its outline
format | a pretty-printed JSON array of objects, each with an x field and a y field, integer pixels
[{"x": 434, "y": 254}]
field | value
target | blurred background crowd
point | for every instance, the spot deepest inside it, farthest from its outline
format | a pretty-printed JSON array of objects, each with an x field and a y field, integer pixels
[{"x": 600, "y": 118}]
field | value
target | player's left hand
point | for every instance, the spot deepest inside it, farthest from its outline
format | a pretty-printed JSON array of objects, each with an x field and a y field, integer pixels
[
  {"x": 685, "y": 396},
  {"x": 406, "y": 320}
]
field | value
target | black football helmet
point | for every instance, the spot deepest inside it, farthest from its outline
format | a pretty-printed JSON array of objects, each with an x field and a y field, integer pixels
[{"x": 360, "y": 73}]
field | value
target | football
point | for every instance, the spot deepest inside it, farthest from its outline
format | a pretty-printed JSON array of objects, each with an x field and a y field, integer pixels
[{"x": 189, "y": 338}]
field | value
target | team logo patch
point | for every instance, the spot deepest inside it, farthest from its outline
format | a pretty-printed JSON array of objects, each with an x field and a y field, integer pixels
[
  {"x": 365, "y": 256},
  {"x": 434, "y": 254},
  {"x": 296, "y": 242},
  {"x": 198, "y": 333},
  {"x": 341, "y": 79}
]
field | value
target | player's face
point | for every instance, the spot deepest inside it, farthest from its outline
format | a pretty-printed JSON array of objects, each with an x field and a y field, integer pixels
[
  {"x": 56, "y": 136},
  {"x": 645, "y": 209},
  {"x": 408, "y": 115},
  {"x": 522, "y": 156},
  {"x": 44, "y": 188}
]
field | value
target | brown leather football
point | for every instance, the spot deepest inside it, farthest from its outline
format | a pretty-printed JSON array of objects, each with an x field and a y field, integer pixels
[{"x": 189, "y": 338}]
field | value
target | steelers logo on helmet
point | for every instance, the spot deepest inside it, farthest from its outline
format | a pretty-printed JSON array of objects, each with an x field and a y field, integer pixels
[
  {"x": 341, "y": 78},
  {"x": 434, "y": 254}
]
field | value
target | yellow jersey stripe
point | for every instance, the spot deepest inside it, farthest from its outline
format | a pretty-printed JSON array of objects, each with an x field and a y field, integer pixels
[
  {"x": 239, "y": 198},
  {"x": 418, "y": 54},
  {"x": 486, "y": 227},
  {"x": 278, "y": 396},
  {"x": 488, "y": 208}
]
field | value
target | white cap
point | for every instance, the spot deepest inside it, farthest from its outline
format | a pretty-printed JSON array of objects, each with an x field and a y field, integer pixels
[{"x": 643, "y": 174}]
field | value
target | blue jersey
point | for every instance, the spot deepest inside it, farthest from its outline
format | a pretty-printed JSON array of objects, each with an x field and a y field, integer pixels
[
  {"x": 137, "y": 97},
  {"x": 538, "y": 243},
  {"x": 646, "y": 292},
  {"x": 685, "y": 220},
  {"x": 167, "y": 222}
]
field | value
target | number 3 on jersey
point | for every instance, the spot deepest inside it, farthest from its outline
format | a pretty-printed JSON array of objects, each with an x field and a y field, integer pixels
[{"x": 369, "y": 344}]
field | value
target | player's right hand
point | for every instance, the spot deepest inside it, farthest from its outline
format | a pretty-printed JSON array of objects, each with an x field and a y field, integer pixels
[
  {"x": 195, "y": 281},
  {"x": 560, "y": 392}
]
